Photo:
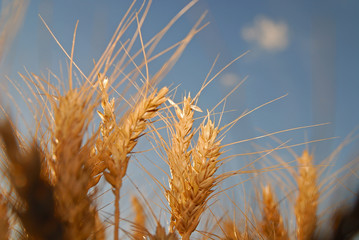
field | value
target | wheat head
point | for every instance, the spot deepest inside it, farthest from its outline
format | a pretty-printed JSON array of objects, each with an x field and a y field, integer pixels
[
  {"x": 272, "y": 224},
  {"x": 34, "y": 202},
  {"x": 307, "y": 200},
  {"x": 72, "y": 113},
  {"x": 192, "y": 170}
]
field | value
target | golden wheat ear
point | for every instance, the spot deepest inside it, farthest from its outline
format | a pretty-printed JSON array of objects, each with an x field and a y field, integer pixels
[
  {"x": 35, "y": 205},
  {"x": 232, "y": 232},
  {"x": 307, "y": 201},
  {"x": 193, "y": 170},
  {"x": 272, "y": 224},
  {"x": 139, "y": 224}
]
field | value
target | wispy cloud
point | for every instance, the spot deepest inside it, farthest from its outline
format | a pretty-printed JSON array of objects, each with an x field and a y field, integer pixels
[
  {"x": 269, "y": 35},
  {"x": 229, "y": 79}
]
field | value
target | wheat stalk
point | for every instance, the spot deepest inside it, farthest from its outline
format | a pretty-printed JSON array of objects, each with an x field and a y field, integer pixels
[
  {"x": 272, "y": 224},
  {"x": 307, "y": 201}
]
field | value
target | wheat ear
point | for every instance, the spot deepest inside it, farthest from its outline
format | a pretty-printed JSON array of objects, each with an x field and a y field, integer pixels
[
  {"x": 72, "y": 113},
  {"x": 307, "y": 201},
  {"x": 107, "y": 125},
  {"x": 231, "y": 232},
  {"x": 124, "y": 138},
  {"x": 139, "y": 229},
  {"x": 272, "y": 224},
  {"x": 192, "y": 181},
  {"x": 179, "y": 162},
  {"x": 35, "y": 202}
]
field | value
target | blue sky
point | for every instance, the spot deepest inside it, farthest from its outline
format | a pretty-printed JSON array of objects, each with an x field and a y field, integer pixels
[{"x": 306, "y": 49}]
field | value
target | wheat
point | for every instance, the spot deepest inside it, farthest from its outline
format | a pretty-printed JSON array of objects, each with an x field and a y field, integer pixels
[
  {"x": 192, "y": 171},
  {"x": 51, "y": 188},
  {"x": 4, "y": 219},
  {"x": 72, "y": 113},
  {"x": 35, "y": 202},
  {"x": 124, "y": 138},
  {"x": 307, "y": 201},
  {"x": 11, "y": 17},
  {"x": 161, "y": 234},
  {"x": 140, "y": 231},
  {"x": 231, "y": 232},
  {"x": 179, "y": 163},
  {"x": 107, "y": 125},
  {"x": 139, "y": 221},
  {"x": 272, "y": 224}
]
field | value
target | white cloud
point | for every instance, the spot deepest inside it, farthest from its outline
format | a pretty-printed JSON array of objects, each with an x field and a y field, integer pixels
[
  {"x": 270, "y": 35},
  {"x": 230, "y": 79}
]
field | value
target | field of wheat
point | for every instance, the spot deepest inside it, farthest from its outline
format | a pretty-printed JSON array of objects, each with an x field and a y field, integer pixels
[{"x": 70, "y": 178}]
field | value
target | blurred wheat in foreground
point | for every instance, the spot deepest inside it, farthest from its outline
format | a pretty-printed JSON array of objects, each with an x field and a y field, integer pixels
[{"x": 84, "y": 138}]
